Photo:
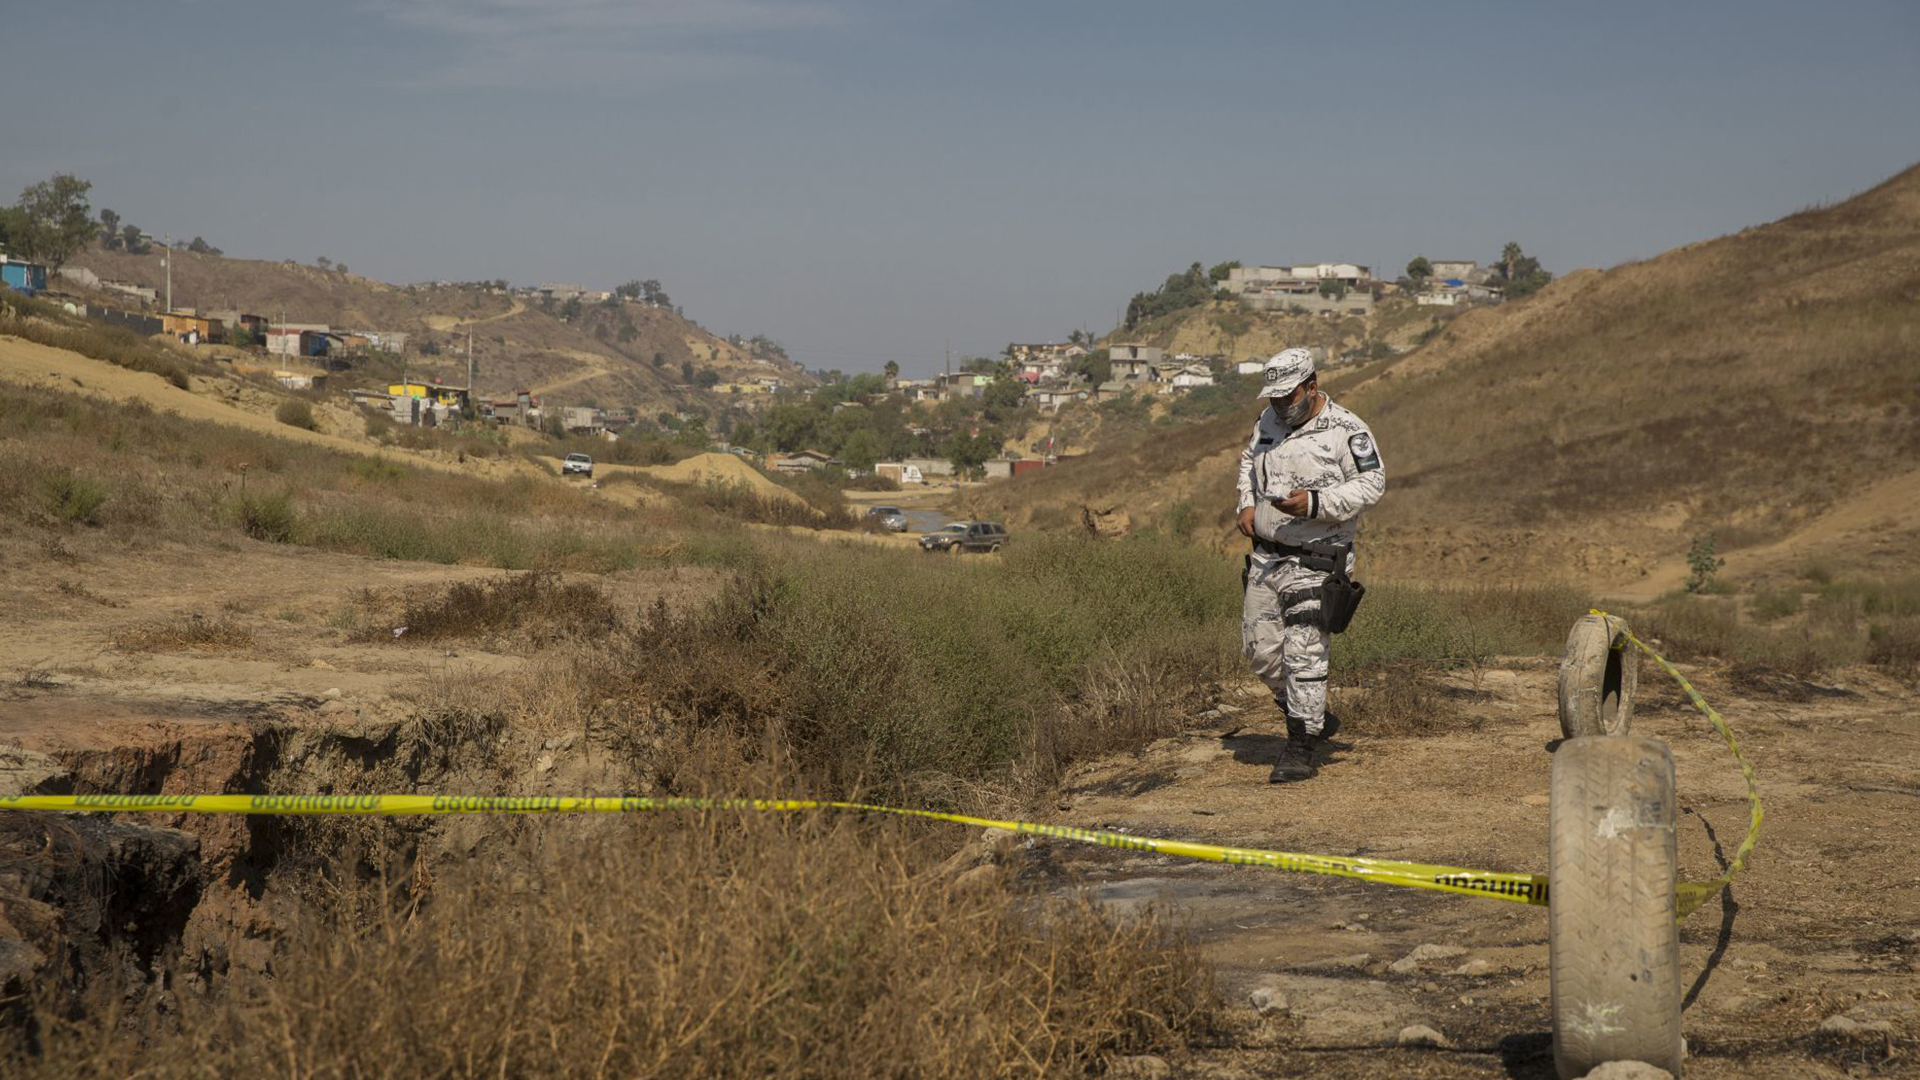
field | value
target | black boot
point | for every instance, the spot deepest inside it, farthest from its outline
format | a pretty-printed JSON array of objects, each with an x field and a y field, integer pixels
[
  {"x": 1296, "y": 757},
  {"x": 1329, "y": 727}
]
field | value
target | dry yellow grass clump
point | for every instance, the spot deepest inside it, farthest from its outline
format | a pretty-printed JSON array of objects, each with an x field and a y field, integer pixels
[{"x": 671, "y": 947}]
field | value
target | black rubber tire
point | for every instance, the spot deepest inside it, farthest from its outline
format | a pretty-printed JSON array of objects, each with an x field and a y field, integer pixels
[
  {"x": 1613, "y": 942},
  {"x": 1598, "y": 674}
]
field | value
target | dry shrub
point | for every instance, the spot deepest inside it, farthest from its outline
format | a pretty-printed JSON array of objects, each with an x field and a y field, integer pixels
[
  {"x": 1401, "y": 699},
  {"x": 1895, "y": 646},
  {"x": 185, "y": 633},
  {"x": 669, "y": 946},
  {"x": 1125, "y": 703},
  {"x": 538, "y": 605}
]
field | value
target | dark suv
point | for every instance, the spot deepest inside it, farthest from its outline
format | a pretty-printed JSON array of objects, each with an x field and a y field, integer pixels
[{"x": 983, "y": 536}]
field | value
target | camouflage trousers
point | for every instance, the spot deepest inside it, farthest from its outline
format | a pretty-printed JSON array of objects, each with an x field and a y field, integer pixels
[{"x": 1283, "y": 636}]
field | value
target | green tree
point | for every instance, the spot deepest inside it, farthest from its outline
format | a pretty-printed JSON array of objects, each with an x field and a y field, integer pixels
[
  {"x": 707, "y": 379},
  {"x": 1096, "y": 367},
  {"x": 110, "y": 228},
  {"x": 628, "y": 291},
  {"x": 1179, "y": 291},
  {"x": 659, "y": 359},
  {"x": 969, "y": 453},
  {"x": 1333, "y": 287},
  {"x": 1702, "y": 562},
  {"x": 1220, "y": 270},
  {"x": 1519, "y": 273},
  {"x": 860, "y": 450},
  {"x": 130, "y": 240},
  {"x": 892, "y": 372},
  {"x": 201, "y": 247},
  {"x": 54, "y": 220},
  {"x": 1419, "y": 269},
  {"x": 570, "y": 310},
  {"x": 686, "y": 371},
  {"x": 1003, "y": 397}
]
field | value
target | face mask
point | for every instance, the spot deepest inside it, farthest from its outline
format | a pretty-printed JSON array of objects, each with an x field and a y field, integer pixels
[{"x": 1297, "y": 413}]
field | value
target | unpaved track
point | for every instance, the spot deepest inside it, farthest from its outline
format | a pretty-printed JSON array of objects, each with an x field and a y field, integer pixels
[{"x": 1812, "y": 929}]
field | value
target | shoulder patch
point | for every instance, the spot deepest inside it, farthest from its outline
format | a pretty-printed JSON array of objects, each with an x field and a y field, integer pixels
[{"x": 1365, "y": 458}]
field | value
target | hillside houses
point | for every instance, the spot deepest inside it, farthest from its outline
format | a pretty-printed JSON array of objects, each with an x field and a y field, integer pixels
[
  {"x": 1309, "y": 288},
  {"x": 1456, "y": 282}
]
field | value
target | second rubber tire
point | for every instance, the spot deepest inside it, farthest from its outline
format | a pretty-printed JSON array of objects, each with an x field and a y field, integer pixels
[
  {"x": 1598, "y": 674},
  {"x": 1613, "y": 946}
]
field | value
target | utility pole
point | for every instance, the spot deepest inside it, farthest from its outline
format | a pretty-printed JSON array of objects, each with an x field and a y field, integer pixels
[
  {"x": 166, "y": 244},
  {"x": 469, "y": 365}
]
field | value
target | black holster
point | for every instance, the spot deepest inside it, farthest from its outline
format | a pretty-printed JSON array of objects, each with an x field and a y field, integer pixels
[{"x": 1340, "y": 597}]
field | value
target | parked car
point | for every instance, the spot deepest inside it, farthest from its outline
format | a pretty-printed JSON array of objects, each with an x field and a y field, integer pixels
[
  {"x": 945, "y": 538},
  {"x": 976, "y": 536},
  {"x": 577, "y": 463},
  {"x": 984, "y": 536},
  {"x": 889, "y": 517}
]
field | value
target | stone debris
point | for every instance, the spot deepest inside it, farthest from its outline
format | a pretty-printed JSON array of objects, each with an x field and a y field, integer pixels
[
  {"x": 1267, "y": 1000},
  {"x": 1139, "y": 1067},
  {"x": 1846, "y": 1027},
  {"x": 1422, "y": 1035},
  {"x": 1337, "y": 963},
  {"x": 1475, "y": 966},
  {"x": 1425, "y": 954},
  {"x": 1628, "y": 1070}
]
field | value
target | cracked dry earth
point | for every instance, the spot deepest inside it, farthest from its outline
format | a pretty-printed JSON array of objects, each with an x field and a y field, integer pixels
[{"x": 1324, "y": 974}]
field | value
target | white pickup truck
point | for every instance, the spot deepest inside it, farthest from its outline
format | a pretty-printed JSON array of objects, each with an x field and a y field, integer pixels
[{"x": 579, "y": 464}]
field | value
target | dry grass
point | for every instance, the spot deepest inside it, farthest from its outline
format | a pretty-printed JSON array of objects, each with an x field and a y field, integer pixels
[
  {"x": 538, "y": 607},
  {"x": 138, "y": 473},
  {"x": 185, "y": 633},
  {"x": 677, "y": 947},
  {"x": 1842, "y": 624}
]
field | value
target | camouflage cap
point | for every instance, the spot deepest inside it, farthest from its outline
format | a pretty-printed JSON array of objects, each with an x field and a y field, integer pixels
[{"x": 1287, "y": 369}]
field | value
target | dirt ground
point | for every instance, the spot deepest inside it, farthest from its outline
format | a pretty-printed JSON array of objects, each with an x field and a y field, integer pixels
[
  {"x": 63, "y": 677},
  {"x": 1825, "y": 921}
]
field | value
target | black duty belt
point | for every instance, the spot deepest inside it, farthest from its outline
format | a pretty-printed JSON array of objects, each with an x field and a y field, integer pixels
[{"x": 1312, "y": 556}]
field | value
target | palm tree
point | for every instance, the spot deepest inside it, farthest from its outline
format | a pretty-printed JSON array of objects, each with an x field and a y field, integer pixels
[{"x": 1510, "y": 257}]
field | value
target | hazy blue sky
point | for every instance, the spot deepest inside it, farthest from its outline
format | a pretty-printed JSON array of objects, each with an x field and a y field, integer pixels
[{"x": 874, "y": 179}]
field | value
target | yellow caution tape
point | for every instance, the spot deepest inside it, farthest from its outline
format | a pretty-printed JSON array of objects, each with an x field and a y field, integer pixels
[
  {"x": 1691, "y": 894},
  {"x": 1525, "y": 888},
  {"x": 1520, "y": 888}
]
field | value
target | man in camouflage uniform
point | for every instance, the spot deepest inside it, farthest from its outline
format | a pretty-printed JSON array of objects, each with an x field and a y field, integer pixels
[{"x": 1308, "y": 471}]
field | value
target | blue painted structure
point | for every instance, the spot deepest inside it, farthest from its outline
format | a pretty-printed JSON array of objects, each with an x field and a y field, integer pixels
[{"x": 26, "y": 277}]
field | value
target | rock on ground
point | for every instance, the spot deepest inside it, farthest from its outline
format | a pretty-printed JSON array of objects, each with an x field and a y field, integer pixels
[
  {"x": 1139, "y": 1067},
  {"x": 1628, "y": 1070},
  {"x": 1425, "y": 954},
  {"x": 1422, "y": 1035}
]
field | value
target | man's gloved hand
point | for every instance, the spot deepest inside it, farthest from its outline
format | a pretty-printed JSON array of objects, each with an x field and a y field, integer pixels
[{"x": 1246, "y": 522}]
